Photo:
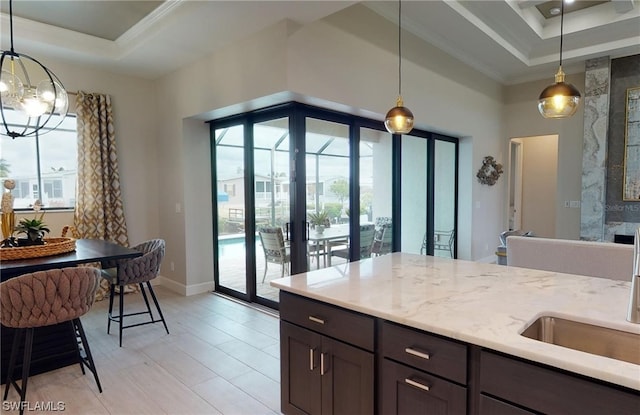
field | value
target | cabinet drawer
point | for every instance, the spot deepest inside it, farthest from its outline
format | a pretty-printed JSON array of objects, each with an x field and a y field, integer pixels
[
  {"x": 425, "y": 351},
  {"x": 490, "y": 406},
  {"x": 545, "y": 389},
  {"x": 406, "y": 390},
  {"x": 348, "y": 326}
]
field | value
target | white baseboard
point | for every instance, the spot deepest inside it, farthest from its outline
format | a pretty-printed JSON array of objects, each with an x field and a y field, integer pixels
[{"x": 185, "y": 290}]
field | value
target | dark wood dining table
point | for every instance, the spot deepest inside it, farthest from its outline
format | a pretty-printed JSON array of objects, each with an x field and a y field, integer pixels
[{"x": 53, "y": 346}]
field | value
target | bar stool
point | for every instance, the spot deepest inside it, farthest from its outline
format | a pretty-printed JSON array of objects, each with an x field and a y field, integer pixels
[
  {"x": 42, "y": 299},
  {"x": 137, "y": 270}
]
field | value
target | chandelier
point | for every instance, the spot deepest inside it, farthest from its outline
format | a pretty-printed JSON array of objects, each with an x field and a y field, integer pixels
[{"x": 32, "y": 97}]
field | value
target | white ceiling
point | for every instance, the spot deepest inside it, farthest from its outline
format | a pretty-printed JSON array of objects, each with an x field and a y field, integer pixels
[{"x": 508, "y": 40}]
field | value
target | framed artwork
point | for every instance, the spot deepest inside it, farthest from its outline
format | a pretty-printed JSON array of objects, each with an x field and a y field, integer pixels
[{"x": 631, "y": 189}]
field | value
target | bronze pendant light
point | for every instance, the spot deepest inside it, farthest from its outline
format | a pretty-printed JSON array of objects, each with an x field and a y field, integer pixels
[
  {"x": 399, "y": 119},
  {"x": 561, "y": 99}
]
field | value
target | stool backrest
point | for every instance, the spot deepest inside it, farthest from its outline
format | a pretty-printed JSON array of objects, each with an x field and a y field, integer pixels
[{"x": 49, "y": 297}]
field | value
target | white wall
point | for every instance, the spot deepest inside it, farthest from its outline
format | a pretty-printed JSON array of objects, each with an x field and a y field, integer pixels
[
  {"x": 522, "y": 119},
  {"x": 327, "y": 62},
  {"x": 349, "y": 58},
  {"x": 134, "y": 112},
  {"x": 539, "y": 178}
]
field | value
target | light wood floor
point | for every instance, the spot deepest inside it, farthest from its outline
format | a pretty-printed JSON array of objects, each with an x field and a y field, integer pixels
[{"x": 221, "y": 357}]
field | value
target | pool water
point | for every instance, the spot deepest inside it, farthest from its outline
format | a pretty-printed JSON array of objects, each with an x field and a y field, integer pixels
[{"x": 233, "y": 247}]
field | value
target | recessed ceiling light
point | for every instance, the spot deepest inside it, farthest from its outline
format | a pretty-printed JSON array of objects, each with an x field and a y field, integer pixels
[{"x": 554, "y": 11}]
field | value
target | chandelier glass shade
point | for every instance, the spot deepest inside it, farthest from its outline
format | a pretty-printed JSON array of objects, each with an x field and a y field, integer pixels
[
  {"x": 32, "y": 97},
  {"x": 399, "y": 119},
  {"x": 561, "y": 99}
]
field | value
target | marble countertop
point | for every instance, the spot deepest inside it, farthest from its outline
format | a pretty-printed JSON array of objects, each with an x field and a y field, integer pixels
[{"x": 483, "y": 304}]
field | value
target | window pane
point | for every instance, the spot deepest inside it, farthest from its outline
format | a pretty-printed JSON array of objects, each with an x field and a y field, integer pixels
[
  {"x": 58, "y": 164},
  {"x": 444, "y": 198},
  {"x": 414, "y": 194},
  {"x": 57, "y": 153}
]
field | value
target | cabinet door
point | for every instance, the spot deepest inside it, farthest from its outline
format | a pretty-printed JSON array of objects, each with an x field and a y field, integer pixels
[
  {"x": 347, "y": 379},
  {"x": 299, "y": 370},
  {"x": 410, "y": 391}
]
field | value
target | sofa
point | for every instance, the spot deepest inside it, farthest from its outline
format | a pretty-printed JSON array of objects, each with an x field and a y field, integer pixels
[{"x": 594, "y": 259}]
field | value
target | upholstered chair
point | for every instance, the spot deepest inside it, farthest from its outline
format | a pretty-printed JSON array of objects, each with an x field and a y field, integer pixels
[{"x": 42, "y": 299}]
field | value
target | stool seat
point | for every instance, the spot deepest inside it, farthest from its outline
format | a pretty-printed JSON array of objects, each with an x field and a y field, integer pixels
[{"x": 46, "y": 298}]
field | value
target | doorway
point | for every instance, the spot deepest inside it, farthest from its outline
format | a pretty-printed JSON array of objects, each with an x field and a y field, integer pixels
[{"x": 533, "y": 178}]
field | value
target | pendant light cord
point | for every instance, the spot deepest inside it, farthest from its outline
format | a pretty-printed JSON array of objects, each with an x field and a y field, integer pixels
[
  {"x": 399, "y": 47},
  {"x": 11, "y": 23},
  {"x": 561, "y": 28}
]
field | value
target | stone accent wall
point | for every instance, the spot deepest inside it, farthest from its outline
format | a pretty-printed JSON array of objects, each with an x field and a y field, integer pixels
[
  {"x": 594, "y": 149},
  {"x": 604, "y": 213},
  {"x": 622, "y": 217}
]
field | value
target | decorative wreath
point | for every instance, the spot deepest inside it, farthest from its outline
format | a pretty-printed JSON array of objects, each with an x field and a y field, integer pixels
[{"x": 490, "y": 171}]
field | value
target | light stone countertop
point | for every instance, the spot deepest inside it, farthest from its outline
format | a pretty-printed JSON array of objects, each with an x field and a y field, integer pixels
[{"x": 487, "y": 305}]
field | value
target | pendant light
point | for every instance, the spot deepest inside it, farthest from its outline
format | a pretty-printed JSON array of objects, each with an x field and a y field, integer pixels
[
  {"x": 33, "y": 92},
  {"x": 399, "y": 119},
  {"x": 561, "y": 99}
]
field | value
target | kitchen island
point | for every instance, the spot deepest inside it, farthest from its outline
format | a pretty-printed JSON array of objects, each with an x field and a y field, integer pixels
[{"x": 483, "y": 306}]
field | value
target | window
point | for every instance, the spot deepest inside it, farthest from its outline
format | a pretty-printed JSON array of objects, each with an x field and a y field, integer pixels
[
  {"x": 230, "y": 189},
  {"x": 44, "y": 166}
]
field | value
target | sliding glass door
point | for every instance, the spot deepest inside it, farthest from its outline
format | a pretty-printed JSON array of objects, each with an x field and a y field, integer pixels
[
  {"x": 299, "y": 188},
  {"x": 230, "y": 173}
]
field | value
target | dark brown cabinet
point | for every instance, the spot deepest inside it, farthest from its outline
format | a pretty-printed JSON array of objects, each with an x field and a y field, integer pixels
[
  {"x": 544, "y": 389},
  {"x": 332, "y": 357},
  {"x": 422, "y": 373},
  {"x": 322, "y": 374}
]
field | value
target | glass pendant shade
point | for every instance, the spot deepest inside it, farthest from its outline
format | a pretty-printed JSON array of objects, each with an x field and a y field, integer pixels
[
  {"x": 32, "y": 98},
  {"x": 559, "y": 100},
  {"x": 399, "y": 119}
]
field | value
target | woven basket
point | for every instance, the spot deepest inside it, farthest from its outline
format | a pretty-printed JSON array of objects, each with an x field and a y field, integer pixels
[{"x": 52, "y": 246}]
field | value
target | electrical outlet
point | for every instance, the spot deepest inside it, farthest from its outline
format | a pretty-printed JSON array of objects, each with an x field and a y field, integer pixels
[
  {"x": 173, "y": 266},
  {"x": 574, "y": 203},
  {"x": 566, "y": 204}
]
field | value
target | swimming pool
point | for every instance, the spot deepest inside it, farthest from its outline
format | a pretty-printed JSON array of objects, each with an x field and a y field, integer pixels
[{"x": 233, "y": 246}]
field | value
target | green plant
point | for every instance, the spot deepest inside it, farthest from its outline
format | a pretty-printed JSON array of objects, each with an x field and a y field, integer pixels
[
  {"x": 34, "y": 228},
  {"x": 318, "y": 218}
]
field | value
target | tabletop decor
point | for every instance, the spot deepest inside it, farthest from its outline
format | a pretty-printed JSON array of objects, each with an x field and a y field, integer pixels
[{"x": 50, "y": 246}]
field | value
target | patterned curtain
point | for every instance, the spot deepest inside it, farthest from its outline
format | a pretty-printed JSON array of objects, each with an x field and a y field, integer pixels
[{"x": 99, "y": 212}]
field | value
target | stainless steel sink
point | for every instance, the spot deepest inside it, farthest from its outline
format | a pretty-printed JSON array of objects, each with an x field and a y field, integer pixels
[{"x": 589, "y": 338}]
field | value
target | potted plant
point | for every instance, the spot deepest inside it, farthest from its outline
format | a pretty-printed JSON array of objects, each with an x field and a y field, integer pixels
[
  {"x": 34, "y": 229},
  {"x": 319, "y": 220}
]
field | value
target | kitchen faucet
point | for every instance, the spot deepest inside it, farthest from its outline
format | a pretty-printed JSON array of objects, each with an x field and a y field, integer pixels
[{"x": 634, "y": 301}]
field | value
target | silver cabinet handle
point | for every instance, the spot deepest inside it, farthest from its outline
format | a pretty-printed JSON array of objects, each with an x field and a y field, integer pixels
[
  {"x": 316, "y": 320},
  {"x": 322, "y": 371},
  {"x": 416, "y": 384},
  {"x": 417, "y": 353},
  {"x": 311, "y": 360}
]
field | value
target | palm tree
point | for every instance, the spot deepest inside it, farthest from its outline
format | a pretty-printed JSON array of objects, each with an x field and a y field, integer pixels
[{"x": 5, "y": 168}]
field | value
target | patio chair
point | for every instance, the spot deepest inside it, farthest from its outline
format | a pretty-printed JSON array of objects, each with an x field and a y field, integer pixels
[
  {"x": 382, "y": 243},
  {"x": 274, "y": 248},
  {"x": 367, "y": 233}
]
